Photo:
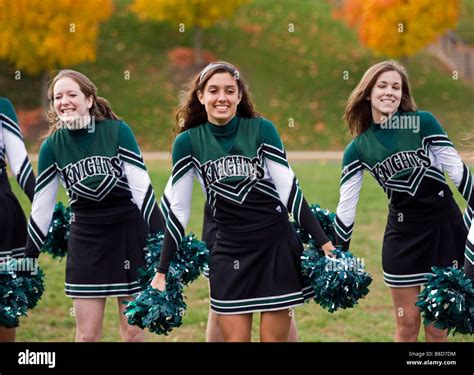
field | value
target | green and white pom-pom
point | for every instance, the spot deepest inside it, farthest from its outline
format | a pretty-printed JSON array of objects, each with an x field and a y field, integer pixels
[
  {"x": 160, "y": 312},
  {"x": 326, "y": 220},
  {"x": 20, "y": 291},
  {"x": 58, "y": 232},
  {"x": 154, "y": 243},
  {"x": 191, "y": 259},
  {"x": 338, "y": 282},
  {"x": 447, "y": 300},
  {"x": 12, "y": 305}
]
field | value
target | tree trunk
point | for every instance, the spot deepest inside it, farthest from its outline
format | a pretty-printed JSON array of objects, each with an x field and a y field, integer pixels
[
  {"x": 44, "y": 90},
  {"x": 198, "y": 38}
]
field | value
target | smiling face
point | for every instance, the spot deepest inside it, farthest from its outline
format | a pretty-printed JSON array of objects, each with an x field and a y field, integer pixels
[
  {"x": 69, "y": 101},
  {"x": 386, "y": 95},
  {"x": 220, "y": 97}
]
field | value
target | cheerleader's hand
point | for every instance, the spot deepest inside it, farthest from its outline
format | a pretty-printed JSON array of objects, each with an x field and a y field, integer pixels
[
  {"x": 159, "y": 281},
  {"x": 327, "y": 247}
]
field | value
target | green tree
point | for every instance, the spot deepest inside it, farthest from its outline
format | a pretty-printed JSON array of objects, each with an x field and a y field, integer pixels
[{"x": 198, "y": 14}]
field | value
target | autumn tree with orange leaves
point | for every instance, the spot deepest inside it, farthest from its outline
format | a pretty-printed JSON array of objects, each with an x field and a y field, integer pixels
[
  {"x": 40, "y": 35},
  {"x": 399, "y": 28}
]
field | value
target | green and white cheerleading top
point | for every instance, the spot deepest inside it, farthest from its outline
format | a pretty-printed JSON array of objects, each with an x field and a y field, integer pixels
[
  {"x": 408, "y": 163},
  {"x": 244, "y": 173},
  {"x": 12, "y": 147},
  {"x": 103, "y": 172},
  {"x": 469, "y": 253}
]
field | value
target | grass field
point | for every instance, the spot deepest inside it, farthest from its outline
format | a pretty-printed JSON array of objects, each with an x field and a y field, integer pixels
[{"x": 371, "y": 320}]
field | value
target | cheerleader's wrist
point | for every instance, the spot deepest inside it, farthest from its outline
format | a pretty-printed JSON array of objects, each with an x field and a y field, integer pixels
[
  {"x": 328, "y": 247},
  {"x": 161, "y": 270}
]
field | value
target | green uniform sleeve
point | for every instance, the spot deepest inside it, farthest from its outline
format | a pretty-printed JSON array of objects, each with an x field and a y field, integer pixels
[
  {"x": 349, "y": 188},
  {"x": 137, "y": 177},
  {"x": 181, "y": 195},
  {"x": 14, "y": 147},
  {"x": 436, "y": 139},
  {"x": 286, "y": 183},
  {"x": 432, "y": 131},
  {"x": 43, "y": 202}
]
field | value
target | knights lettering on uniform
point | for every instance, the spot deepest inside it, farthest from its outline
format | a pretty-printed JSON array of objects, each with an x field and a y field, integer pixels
[
  {"x": 92, "y": 166},
  {"x": 399, "y": 162},
  {"x": 231, "y": 166}
]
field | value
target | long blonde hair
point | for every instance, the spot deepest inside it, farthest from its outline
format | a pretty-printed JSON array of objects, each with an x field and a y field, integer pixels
[
  {"x": 358, "y": 114},
  {"x": 100, "y": 110}
]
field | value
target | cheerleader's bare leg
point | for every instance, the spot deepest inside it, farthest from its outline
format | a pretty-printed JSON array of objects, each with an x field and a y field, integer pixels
[
  {"x": 275, "y": 326},
  {"x": 236, "y": 328},
  {"x": 433, "y": 334},
  {"x": 128, "y": 332},
  {"x": 213, "y": 331},
  {"x": 407, "y": 315},
  {"x": 89, "y": 313}
]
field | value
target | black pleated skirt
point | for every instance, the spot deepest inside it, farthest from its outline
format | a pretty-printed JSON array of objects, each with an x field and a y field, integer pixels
[
  {"x": 209, "y": 232},
  {"x": 12, "y": 221},
  {"x": 412, "y": 245},
  {"x": 104, "y": 255},
  {"x": 257, "y": 271}
]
